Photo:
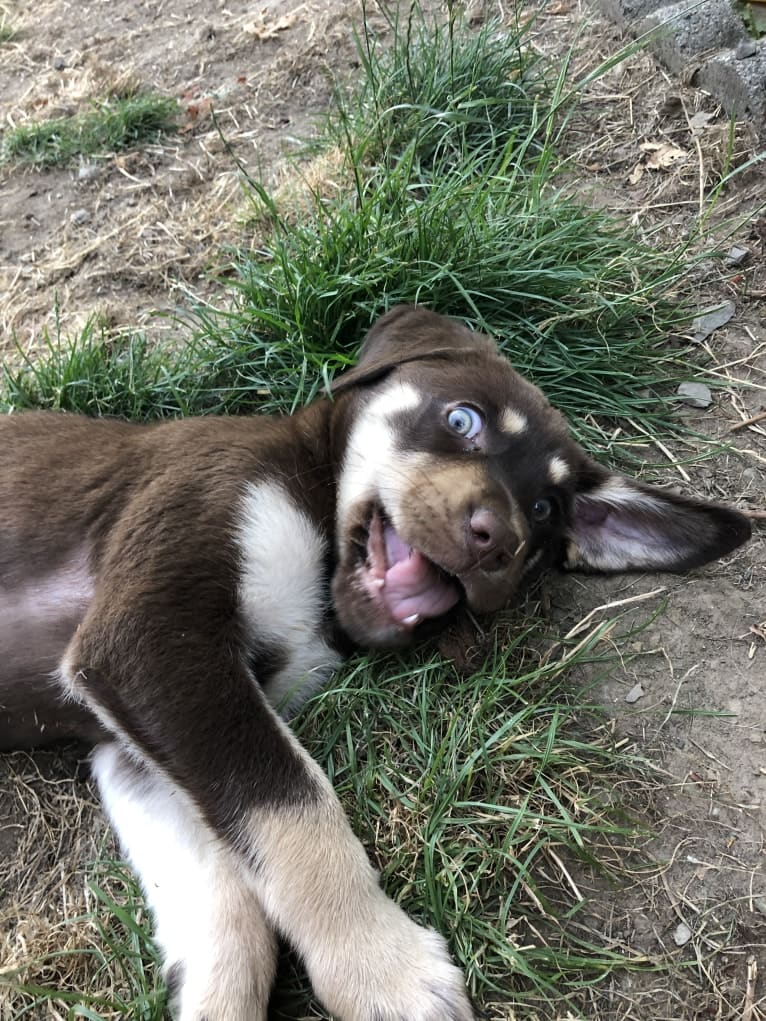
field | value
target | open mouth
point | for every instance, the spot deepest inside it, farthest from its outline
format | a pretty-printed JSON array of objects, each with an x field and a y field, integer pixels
[{"x": 402, "y": 580}]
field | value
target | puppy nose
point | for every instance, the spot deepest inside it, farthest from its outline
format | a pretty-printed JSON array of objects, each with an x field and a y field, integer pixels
[{"x": 490, "y": 539}]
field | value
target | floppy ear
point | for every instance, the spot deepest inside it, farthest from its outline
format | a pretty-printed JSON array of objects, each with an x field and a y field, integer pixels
[
  {"x": 409, "y": 333},
  {"x": 621, "y": 525}
]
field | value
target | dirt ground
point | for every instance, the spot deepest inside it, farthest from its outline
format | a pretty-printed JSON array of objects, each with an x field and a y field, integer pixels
[{"x": 128, "y": 238}]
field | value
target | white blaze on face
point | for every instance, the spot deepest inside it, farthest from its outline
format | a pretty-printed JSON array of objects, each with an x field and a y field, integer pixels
[{"x": 374, "y": 460}]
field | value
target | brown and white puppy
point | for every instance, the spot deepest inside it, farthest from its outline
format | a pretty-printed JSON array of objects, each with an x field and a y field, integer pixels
[{"x": 164, "y": 587}]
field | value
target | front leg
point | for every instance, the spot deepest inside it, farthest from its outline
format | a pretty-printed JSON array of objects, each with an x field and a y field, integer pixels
[
  {"x": 183, "y": 700},
  {"x": 219, "y": 950}
]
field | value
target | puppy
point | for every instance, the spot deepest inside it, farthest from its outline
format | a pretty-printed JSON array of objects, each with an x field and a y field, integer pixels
[{"x": 165, "y": 588}]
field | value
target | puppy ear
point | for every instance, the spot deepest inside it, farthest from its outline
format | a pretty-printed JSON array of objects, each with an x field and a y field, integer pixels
[
  {"x": 409, "y": 333},
  {"x": 622, "y": 525}
]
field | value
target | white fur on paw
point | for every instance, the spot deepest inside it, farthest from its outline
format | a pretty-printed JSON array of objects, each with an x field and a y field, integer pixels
[{"x": 395, "y": 972}]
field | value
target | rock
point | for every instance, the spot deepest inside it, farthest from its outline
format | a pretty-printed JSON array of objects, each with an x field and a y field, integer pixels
[
  {"x": 696, "y": 394},
  {"x": 682, "y": 934},
  {"x": 736, "y": 255},
  {"x": 700, "y": 120},
  {"x": 79, "y": 217},
  {"x": 635, "y": 693},
  {"x": 682, "y": 31},
  {"x": 88, "y": 172},
  {"x": 709, "y": 322},
  {"x": 745, "y": 49}
]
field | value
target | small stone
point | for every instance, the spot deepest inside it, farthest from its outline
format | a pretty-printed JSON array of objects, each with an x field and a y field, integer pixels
[
  {"x": 59, "y": 64},
  {"x": 700, "y": 120},
  {"x": 736, "y": 255},
  {"x": 708, "y": 322},
  {"x": 79, "y": 217},
  {"x": 695, "y": 394},
  {"x": 745, "y": 49},
  {"x": 88, "y": 172},
  {"x": 635, "y": 693},
  {"x": 682, "y": 934},
  {"x": 759, "y": 903}
]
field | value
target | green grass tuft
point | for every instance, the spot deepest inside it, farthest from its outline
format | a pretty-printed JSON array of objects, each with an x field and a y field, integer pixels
[
  {"x": 108, "y": 127},
  {"x": 467, "y": 215},
  {"x": 97, "y": 374},
  {"x": 436, "y": 90}
]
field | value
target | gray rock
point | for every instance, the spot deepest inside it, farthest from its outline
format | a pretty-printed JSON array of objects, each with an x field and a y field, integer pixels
[
  {"x": 739, "y": 84},
  {"x": 79, "y": 217},
  {"x": 745, "y": 49},
  {"x": 88, "y": 172},
  {"x": 696, "y": 394},
  {"x": 684, "y": 30},
  {"x": 736, "y": 255},
  {"x": 682, "y": 934},
  {"x": 709, "y": 322}
]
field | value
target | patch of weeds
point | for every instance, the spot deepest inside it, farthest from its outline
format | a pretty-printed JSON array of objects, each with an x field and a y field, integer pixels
[
  {"x": 464, "y": 214},
  {"x": 101, "y": 373},
  {"x": 98, "y": 374},
  {"x": 460, "y": 211},
  {"x": 435, "y": 90},
  {"x": 754, "y": 17},
  {"x": 108, "y": 127},
  {"x": 556, "y": 284}
]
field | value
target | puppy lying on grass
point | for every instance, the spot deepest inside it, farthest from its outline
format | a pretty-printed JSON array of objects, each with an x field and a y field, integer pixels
[{"x": 180, "y": 581}]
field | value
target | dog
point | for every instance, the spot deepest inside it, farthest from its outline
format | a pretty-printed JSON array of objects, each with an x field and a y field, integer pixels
[{"x": 170, "y": 592}]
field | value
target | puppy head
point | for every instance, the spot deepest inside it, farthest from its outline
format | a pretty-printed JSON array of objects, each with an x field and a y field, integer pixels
[{"x": 458, "y": 480}]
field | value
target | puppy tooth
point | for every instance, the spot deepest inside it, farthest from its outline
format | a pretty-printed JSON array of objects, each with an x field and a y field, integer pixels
[
  {"x": 378, "y": 583},
  {"x": 412, "y": 620}
]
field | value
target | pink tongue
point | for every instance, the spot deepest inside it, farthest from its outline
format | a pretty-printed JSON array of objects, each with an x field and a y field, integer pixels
[{"x": 413, "y": 586}]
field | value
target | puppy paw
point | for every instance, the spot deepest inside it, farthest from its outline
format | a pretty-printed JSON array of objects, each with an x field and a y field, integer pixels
[
  {"x": 236, "y": 996},
  {"x": 395, "y": 971}
]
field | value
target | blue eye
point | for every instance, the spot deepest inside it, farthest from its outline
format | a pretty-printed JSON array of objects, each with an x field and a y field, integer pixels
[
  {"x": 465, "y": 421},
  {"x": 542, "y": 510}
]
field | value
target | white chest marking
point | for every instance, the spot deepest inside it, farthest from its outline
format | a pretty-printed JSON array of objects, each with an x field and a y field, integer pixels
[{"x": 281, "y": 592}]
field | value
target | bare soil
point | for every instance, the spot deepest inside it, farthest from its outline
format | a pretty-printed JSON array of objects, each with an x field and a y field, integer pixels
[{"x": 151, "y": 226}]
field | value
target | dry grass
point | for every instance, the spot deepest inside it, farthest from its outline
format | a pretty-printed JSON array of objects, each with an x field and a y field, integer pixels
[{"x": 157, "y": 219}]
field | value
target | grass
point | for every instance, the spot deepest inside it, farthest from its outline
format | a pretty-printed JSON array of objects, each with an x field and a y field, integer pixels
[
  {"x": 111, "y": 125},
  {"x": 477, "y": 794},
  {"x": 449, "y": 90}
]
